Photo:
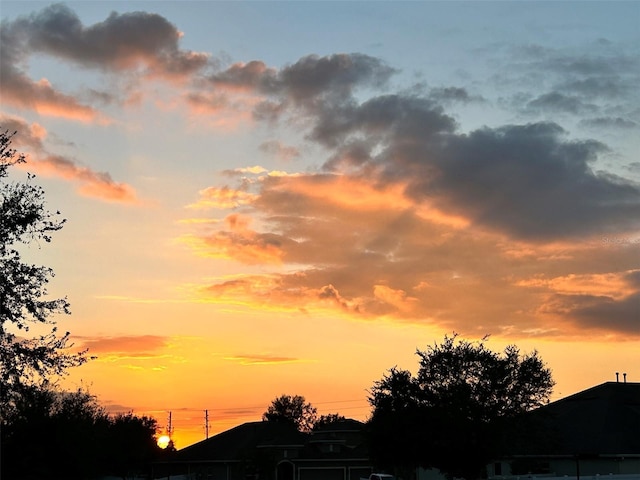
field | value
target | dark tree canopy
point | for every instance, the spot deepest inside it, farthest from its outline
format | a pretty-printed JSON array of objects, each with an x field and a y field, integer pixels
[
  {"x": 293, "y": 409},
  {"x": 451, "y": 415},
  {"x": 328, "y": 419},
  {"x": 51, "y": 433},
  {"x": 24, "y": 220}
]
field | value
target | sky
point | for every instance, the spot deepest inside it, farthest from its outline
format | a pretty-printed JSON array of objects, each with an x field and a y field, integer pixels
[{"x": 267, "y": 198}]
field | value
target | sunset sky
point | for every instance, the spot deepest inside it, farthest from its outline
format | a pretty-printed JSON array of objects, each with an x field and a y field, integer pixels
[{"x": 291, "y": 197}]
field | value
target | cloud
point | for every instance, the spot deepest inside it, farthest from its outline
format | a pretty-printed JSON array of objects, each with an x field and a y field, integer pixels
[
  {"x": 559, "y": 102},
  {"x": 240, "y": 243},
  {"x": 224, "y": 197},
  {"x": 279, "y": 150},
  {"x": 528, "y": 182},
  {"x": 524, "y": 180},
  {"x": 397, "y": 298},
  {"x": 601, "y": 313},
  {"x": 92, "y": 184},
  {"x": 306, "y": 82},
  {"x": 138, "y": 43},
  {"x": 412, "y": 219},
  {"x": 596, "y": 79},
  {"x": 19, "y": 91},
  {"x": 129, "y": 345},
  {"x": 100, "y": 185},
  {"x": 598, "y": 87},
  {"x": 261, "y": 359},
  {"x": 617, "y": 123},
  {"x": 361, "y": 240},
  {"x": 121, "y": 42},
  {"x": 446, "y": 95}
]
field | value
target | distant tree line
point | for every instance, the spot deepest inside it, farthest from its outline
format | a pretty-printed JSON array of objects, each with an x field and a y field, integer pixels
[{"x": 52, "y": 433}]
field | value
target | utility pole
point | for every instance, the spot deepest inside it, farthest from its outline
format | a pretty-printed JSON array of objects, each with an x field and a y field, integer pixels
[
  {"x": 206, "y": 424},
  {"x": 169, "y": 427}
]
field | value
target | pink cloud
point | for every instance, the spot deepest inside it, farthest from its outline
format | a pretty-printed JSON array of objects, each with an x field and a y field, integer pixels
[
  {"x": 92, "y": 184},
  {"x": 31, "y": 138},
  {"x": 128, "y": 344}
]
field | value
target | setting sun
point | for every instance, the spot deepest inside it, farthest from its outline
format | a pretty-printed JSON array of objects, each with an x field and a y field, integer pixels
[{"x": 164, "y": 441}]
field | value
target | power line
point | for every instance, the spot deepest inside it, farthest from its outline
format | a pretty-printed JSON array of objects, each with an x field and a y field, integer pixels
[{"x": 233, "y": 408}]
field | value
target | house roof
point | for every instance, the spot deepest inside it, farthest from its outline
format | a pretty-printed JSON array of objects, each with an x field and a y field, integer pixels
[
  {"x": 602, "y": 420},
  {"x": 236, "y": 443}
]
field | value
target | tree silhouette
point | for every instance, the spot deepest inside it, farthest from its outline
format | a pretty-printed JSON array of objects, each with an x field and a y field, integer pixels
[
  {"x": 292, "y": 409},
  {"x": 328, "y": 419},
  {"x": 67, "y": 434},
  {"x": 451, "y": 415},
  {"x": 24, "y": 220}
]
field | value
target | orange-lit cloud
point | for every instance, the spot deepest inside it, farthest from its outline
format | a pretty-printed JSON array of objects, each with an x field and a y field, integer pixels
[
  {"x": 371, "y": 251},
  {"x": 238, "y": 243},
  {"x": 613, "y": 285},
  {"x": 17, "y": 90},
  {"x": 31, "y": 137},
  {"x": 92, "y": 184},
  {"x": 128, "y": 347},
  {"x": 397, "y": 298},
  {"x": 222, "y": 198},
  {"x": 219, "y": 110},
  {"x": 127, "y": 343}
]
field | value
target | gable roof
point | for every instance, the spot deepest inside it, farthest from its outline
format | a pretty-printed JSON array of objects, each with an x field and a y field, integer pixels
[
  {"x": 602, "y": 420},
  {"x": 236, "y": 443}
]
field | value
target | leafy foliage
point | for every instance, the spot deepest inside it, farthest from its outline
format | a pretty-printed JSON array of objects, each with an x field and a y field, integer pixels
[
  {"x": 451, "y": 415},
  {"x": 24, "y": 220},
  {"x": 292, "y": 409},
  {"x": 328, "y": 419}
]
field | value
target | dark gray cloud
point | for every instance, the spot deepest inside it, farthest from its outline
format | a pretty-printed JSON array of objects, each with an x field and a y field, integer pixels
[
  {"x": 137, "y": 42},
  {"x": 387, "y": 119},
  {"x": 607, "y": 313},
  {"x": 310, "y": 78},
  {"x": 335, "y": 75},
  {"x": 122, "y": 41},
  {"x": 528, "y": 181}
]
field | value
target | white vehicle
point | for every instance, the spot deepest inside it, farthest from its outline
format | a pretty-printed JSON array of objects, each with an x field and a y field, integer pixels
[{"x": 379, "y": 476}]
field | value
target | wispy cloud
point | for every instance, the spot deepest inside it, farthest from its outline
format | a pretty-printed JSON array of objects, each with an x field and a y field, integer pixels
[
  {"x": 131, "y": 345},
  {"x": 93, "y": 184},
  {"x": 261, "y": 359}
]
